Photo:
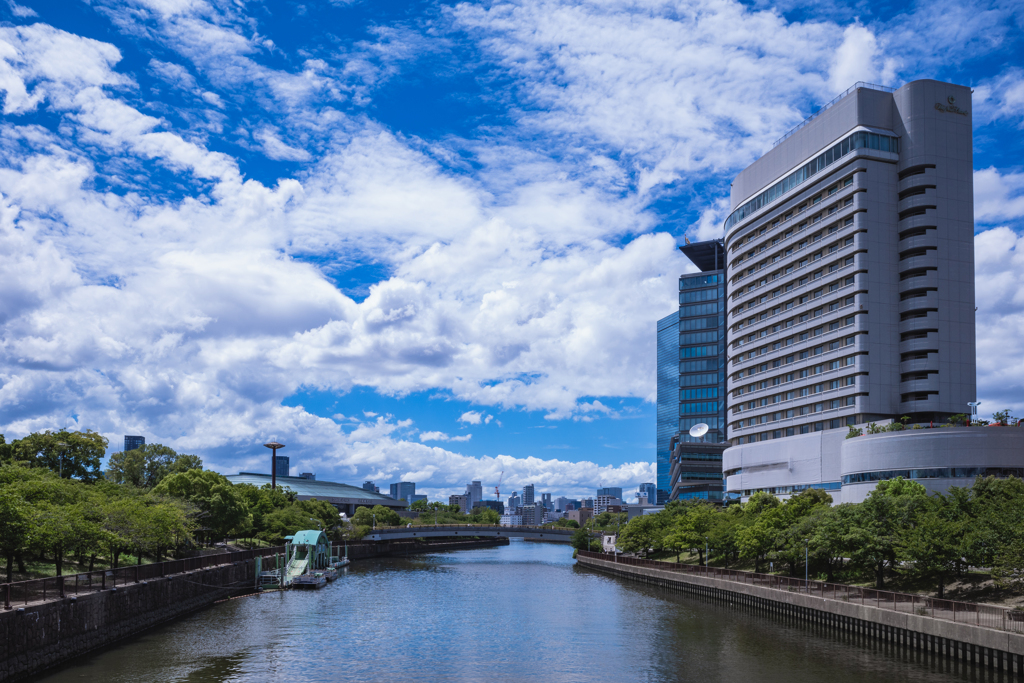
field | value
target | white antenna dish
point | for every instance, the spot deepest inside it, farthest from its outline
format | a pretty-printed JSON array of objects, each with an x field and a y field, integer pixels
[{"x": 698, "y": 430}]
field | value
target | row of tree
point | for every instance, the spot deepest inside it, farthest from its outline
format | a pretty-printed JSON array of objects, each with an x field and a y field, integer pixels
[
  {"x": 56, "y": 503},
  {"x": 898, "y": 531}
]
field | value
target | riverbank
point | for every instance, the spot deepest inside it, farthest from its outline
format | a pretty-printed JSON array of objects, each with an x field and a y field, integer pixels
[{"x": 994, "y": 648}]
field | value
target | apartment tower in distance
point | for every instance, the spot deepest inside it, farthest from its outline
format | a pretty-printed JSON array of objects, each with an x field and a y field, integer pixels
[{"x": 850, "y": 296}]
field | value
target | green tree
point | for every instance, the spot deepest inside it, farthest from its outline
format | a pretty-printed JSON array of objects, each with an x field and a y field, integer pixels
[
  {"x": 73, "y": 455},
  {"x": 929, "y": 547},
  {"x": 420, "y": 504},
  {"x": 581, "y": 540},
  {"x": 147, "y": 465},
  {"x": 875, "y": 537},
  {"x": 223, "y": 509},
  {"x": 17, "y": 526},
  {"x": 690, "y": 529},
  {"x": 641, "y": 535},
  {"x": 764, "y": 526},
  {"x": 484, "y": 515}
]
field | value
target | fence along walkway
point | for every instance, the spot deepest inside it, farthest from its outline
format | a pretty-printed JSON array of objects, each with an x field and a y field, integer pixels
[
  {"x": 972, "y": 613},
  {"x": 33, "y": 590}
]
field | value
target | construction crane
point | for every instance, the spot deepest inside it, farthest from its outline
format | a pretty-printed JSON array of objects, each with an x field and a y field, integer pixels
[{"x": 497, "y": 489}]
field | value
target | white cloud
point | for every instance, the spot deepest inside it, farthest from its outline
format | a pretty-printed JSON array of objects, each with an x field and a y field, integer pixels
[
  {"x": 1001, "y": 97},
  {"x": 998, "y": 196},
  {"x": 275, "y": 148},
  {"x": 472, "y": 417},
  {"x": 855, "y": 59},
  {"x": 441, "y": 436},
  {"x": 999, "y": 264}
]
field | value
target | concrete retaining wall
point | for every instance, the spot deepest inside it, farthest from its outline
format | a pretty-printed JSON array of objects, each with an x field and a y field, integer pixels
[
  {"x": 42, "y": 635},
  {"x": 986, "y": 647}
]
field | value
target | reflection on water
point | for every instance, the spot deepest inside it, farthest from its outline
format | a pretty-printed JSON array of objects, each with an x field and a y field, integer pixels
[{"x": 512, "y": 613}]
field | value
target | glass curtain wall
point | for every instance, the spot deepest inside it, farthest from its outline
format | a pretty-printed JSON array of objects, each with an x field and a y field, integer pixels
[{"x": 668, "y": 401}]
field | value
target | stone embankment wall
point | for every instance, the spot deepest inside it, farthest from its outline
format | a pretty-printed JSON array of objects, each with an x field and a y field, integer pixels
[
  {"x": 38, "y": 636},
  {"x": 984, "y": 647},
  {"x": 41, "y": 635}
]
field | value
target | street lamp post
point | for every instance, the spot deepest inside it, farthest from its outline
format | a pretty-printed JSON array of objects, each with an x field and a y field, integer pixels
[
  {"x": 807, "y": 570},
  {"x": 273, "y": 445},
  {"x": 706, "y": 558}
]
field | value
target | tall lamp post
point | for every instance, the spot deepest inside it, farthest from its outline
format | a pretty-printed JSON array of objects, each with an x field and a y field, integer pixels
[
  {"x": 273, "y": 445},
  {"x": 974, "y": 409},
  {"x": 807, "y": 569}
]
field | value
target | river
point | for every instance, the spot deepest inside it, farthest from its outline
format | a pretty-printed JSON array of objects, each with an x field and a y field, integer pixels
[{"x": 520, "y": 612}]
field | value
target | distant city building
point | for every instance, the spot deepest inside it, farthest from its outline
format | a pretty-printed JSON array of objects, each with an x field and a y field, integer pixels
[
  {"x": 602, "y": 503},
  {"x": 528, "y": 494},
  {"x": 511, "y": 520},
  {"x": 282, "y": 465},
  {"x": 416, "y": 496},
  {"x": 403, "y": 490},
  {"x": 533, "y": 514},
  {"x": 475, "y": 491},
  {"x": 462, "y": 501},
  {"x": 579, "y": 516},
  {"x": 368, "y": 486},
  {"x": 614, "y": 491},
  {"x": 495, "y": 505},
  {"x": 562, "y": 503},
  {"x": 545, "y": 499},
  {"x": 638, "y": 509},
  {"x": 651, "y": 490},
  {"x": 552, "y": 516},
  {"x": 308, "y": 475},
  {"x": 133, "y": 442},
  {"x": 586, "y": 503},
  {"x": 514, "y": 501}
]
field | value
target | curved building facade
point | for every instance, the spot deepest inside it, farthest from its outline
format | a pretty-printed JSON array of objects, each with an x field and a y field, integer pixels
[{"x": 850, "y": 289}]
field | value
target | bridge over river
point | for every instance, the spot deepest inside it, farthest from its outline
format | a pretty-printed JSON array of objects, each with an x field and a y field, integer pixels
[{"x": 532, "y": 533}]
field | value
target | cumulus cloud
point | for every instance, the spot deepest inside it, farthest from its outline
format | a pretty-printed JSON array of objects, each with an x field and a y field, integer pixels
[
  {"x": 151, "y": 286},
  {"x": 998, "y": 196},
  {"x": 999, "y": 263},
  {"x": 441, "y": 436}
]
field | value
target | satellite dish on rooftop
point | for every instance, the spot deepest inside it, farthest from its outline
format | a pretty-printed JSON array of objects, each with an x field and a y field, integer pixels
[{"x": 698, "y": 430}]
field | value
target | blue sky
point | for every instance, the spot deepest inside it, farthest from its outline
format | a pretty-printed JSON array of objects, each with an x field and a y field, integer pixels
[{"x": 423, "y": 241}]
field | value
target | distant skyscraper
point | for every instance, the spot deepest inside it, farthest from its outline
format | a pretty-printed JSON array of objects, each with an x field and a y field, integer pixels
[
  {"x": 403, "y": 490},
  {"x": 613, "y": 491},
  {"x": 282, "y": 465},
  {"x": 528, "y": 494},
  {"x": 368, "y": 486},
  {"x": 545, "y": 499},
  {"x": 133, "y": 442},
  {"x": 651, "y": 491},
  {"x": 475, "y": 491},
  {"x": 514, "y": 501}
]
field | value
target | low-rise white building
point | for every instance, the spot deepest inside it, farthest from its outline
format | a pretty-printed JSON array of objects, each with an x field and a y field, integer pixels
[{"x": 511, "y": 520}]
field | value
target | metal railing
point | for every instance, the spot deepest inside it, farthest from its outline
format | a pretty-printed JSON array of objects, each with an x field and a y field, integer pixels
[
  {"x": 987, "y": 616},
  {"x": 56, "y": 587}
]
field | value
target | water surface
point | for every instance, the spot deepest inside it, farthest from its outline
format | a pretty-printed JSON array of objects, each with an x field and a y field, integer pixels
[{"x": 513, "y": 613}]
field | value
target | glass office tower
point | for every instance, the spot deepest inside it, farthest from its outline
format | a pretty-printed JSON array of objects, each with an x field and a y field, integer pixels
[
  {"x": 668, "y": 399},
  {"x": 702, "y": 342}
]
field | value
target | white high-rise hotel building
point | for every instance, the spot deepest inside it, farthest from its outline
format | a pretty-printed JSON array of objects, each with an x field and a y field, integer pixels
[{"x": 850, "y": 293}]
